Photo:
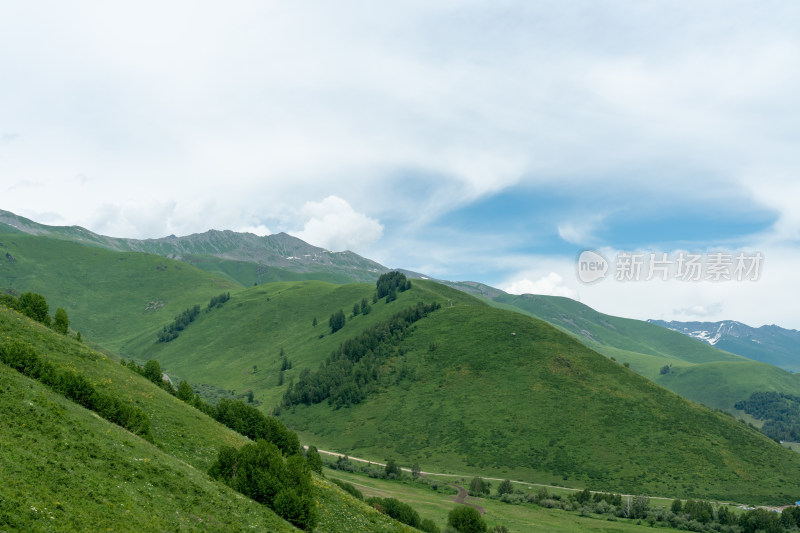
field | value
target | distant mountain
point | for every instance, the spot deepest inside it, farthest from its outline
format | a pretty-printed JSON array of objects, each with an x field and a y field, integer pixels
[
  {"x": 769, "y": 344},
  {"x": 244, "y": 257}
]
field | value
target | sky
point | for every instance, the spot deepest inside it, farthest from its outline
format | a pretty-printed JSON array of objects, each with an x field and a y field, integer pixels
[{"x": 488, "y": 141}]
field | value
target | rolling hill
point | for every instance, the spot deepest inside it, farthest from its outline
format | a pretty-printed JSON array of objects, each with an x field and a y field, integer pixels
[
  {"x": 475, "y": 389},
  {"x": 66, "y": 469}
]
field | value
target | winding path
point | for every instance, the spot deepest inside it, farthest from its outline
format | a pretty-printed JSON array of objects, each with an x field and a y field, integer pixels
[{"x": 462, "y": 496}]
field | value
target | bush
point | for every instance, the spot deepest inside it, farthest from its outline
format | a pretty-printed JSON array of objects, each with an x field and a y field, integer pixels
[
  {"x": 349, "y": 488},
  {"x": 402, "y": 512},
  {"x": 34, "y": 306},
  {"x": 259, "y": 471},
  {"x": 466, "y": 520},
  {"x": 429, "y": 526}
]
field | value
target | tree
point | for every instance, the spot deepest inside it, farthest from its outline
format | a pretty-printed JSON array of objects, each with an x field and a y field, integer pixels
[
  {"x": 429, "y": 526},
  {"x": 466, "y": 520},
  {"x": 314, "y": 322},
  {"x": 415, "y": 470},
  {"x": 337, "y": 321},
  {"x": 583, "y": 496},
  {"x": 185, "y": 392},
  {"x": 640, "y": 506},
  {"x": 61, "y": 322},
  {"x": 478, "y": 487},
  {"x": 34, "y": 306},
  {"x": 280, "y": 378},
  {"x": 152, "y": 371},
  {"x": 677, "y": 505},
  {"x": 391, "y": 469},
  {"x": 314, "y": 460},
  {"x": 505, "y": 487},
  {"x": 664, "y": 370},
  {"x": 356, "y": 309}
]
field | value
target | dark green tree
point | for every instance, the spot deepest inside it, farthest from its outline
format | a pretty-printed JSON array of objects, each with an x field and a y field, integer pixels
[
  {"x": 152, "y": 371},
  {"x": 280, "y": 378},
  {"x": 61, "y": 322},
  {"x": 314, "y": 460},
  {"x": 466, "y": 519},
  {"x": 337, "y": 321},
  {"x": 582, "y": 497},
  {"x": 314, "y": 322},
  {"x": 429, "y": 526},
  {"x": 664, "y": 370},
  {"x": 478, "y": 487},
  {"x": 34, "y": 306},
  {"x": 356, "y": 309},
  {"x": 505, "y": 487},
  {"x": 415, "y": 470},
  {"x": 391, "y": 469},
  {"x": 185, "y": 392}
]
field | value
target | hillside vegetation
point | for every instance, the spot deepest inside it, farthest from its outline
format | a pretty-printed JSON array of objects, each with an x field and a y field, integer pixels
[{"x": 66, "y": 469}]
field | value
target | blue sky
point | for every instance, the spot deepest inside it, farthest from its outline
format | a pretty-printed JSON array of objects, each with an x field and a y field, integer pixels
[{"x": 490, "y": 141}]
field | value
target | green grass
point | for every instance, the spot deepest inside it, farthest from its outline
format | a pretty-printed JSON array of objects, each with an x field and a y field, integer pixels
[
  {"x": 700, "y": 372},
  {"x": 109, "y": 296},
  {"x": 66, "y": 469},
  {"x": 539, "y": 406},
  {"x": 525, "y": 518},
  {"x": 250, "y": 330}
]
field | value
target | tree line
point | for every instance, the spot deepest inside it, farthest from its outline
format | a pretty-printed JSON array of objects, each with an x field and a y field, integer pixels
[
  {"x": 352, "y": 370},
  {"x": 171, "y": 331},
  {"x": 76, "y": 387},
  {"x": 780, "y": 412},
  {"x": 35, "y": 307}
]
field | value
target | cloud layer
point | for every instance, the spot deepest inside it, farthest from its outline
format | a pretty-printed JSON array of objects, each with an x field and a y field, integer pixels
[{"x": 368, "y": 126}]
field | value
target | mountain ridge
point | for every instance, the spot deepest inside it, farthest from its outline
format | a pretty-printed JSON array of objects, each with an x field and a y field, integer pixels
[{"x": 770, "y": 344}]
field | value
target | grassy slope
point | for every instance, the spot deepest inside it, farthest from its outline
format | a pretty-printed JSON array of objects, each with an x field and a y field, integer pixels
[
  {"x": 540, "y": 406},
  {"x": 700, "y": 372},
  {"x": 223, "y": 346},
  {"x": 66, "y": 462},
  {"x": 65, "y": 469},
  {"x": 106, "y": 294}
]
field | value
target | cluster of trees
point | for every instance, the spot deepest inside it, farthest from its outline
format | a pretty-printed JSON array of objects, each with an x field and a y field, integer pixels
[
  {"x": 404, "y": 513},
  {"x": 780, "y": 412},
  {"x": 278, "y": 480},
  {"x": 35, "y": 307},
  {"x": 152, "y": 371},
  {"x": 353, "y": 369},
  {"x": 337, "y": 321},
  {"x": 362, "y": 308},
  {"x": 77, "y": 388},
  {"x": 390, "y": 284},
  {"x": 218, "y": 301},
  {"x": 171, "y": 331}
]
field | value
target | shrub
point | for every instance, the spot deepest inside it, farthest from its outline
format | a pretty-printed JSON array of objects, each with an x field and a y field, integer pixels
[
  {"x": 349, "y": 488},
  {"x": 466, "y": 520}
]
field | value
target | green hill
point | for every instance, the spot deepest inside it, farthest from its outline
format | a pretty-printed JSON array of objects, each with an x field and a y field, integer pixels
[
  {"x": 109, "y": 296},
  {"x": 468, "y": 396},
  {"x": 66, "y": 469},
  {"x": 699, "y": 372}
]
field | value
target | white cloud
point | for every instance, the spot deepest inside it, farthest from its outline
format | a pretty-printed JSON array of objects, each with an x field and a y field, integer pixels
[
  {"x": 699, "y": 311},
  {"x": 334, "y": 225},
  {"x": 552, "y": 285},
  {"x": 260, "y": 230}
]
